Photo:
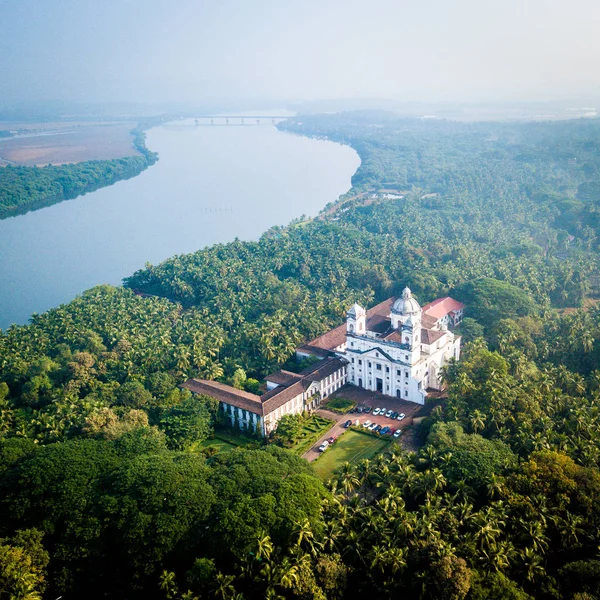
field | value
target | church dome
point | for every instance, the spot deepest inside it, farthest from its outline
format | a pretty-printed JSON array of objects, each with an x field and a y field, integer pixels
[{"x": 406, "y": 304}]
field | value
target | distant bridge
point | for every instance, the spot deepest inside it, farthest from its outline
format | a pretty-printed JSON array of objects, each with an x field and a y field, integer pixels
[{"x": 238, "y": 119}]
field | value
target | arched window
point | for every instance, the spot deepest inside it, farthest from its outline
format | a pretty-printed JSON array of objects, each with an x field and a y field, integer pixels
[
  {"x": 406, "y": 340},
  {"x": 351, "y": 327}
]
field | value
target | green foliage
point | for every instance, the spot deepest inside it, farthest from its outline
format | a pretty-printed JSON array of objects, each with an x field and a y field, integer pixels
[
  {"x": 580, "y": 577},
  {"x": 490, "y": 300},
  {"x": 288, "y": 429},
  {"x": 495, "y": 586},
  {"x": 471, "y": 457},
  {"x": 186, "y": 423}
]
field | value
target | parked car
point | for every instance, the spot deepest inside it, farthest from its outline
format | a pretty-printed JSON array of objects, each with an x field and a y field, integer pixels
[
  {"x": 394, "y": 415},
  {"x": 397, "y": 433},
  {"x": 382, "y": 411},
  {"x": 376, "y": 412},
  {"x": 388, "y": 414},
  {"x": 385, "y": 430},
  {"x": 401, "y": 416},
  {"x": 331, "y": 440},
  {"x": 323, "y": 446},
  {"x": 367, "y": 423},
  {"x": 377, "y": 429},
  {"x": 347, "y": 423},
  {"x": 373, "y": 426},
  {"x": 367, "y": 409}
]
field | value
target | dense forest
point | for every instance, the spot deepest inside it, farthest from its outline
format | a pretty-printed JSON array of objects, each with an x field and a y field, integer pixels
[
  {"x": 107, "y": 491},
  {"x": 29, "y": 188}
]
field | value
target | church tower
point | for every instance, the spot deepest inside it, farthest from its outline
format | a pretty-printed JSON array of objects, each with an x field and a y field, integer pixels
[
  {"x": 356, "y": 320},
  {"x": 406, "y": 318}
]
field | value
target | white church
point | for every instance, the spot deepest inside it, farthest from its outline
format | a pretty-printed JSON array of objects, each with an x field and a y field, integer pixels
[{"x": 396, "y": 348}]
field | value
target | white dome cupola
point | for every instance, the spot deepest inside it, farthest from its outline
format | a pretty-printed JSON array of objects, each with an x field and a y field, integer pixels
[{"x": 406, "y": 311}]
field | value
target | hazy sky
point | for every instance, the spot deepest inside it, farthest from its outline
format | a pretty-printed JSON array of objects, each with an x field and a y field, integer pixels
[{"x": 184, "y": 50}]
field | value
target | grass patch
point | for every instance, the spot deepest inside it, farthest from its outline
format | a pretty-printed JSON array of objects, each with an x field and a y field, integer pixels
[
  {"x": 236, "y": 439},
  {"x": 217, "y": 444},
  {"x": 352, "y": 447},
  {"x": 340, "y": 405},
  {"x": 312, "y": 430}
]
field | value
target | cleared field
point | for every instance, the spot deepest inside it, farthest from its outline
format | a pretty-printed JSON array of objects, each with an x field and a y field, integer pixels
[
  {"x": 63, "y": 143},
  {"x": 352, "y": 447},
  {"x": 218, "y": 445}
]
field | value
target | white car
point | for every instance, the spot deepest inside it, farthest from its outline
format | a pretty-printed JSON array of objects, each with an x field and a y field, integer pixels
[
  {"x": 372, "y": 426},
  {"x": 366, "y": 423},
  {"x": 324, "y": 446},
  {"x": 388, "y": 414},
  {"x": 376, "y": 412},
  {"x": 397, "y": 433},
  {"x": 401, "y": 416}
]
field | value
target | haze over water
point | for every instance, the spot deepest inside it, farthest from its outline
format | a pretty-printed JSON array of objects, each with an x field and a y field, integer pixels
[{"x": 211, "y": 184}]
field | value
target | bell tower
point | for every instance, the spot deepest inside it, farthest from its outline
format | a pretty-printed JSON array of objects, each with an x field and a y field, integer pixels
[{"x": 356, "y": 320}]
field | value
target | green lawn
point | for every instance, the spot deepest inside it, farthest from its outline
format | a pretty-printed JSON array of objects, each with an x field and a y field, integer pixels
[
  {"x": 340, "y": 405},
  {"x": 225, "y": 441},
  {"x": 219, "y": 445},
  {"x": 352, "y": 447}
]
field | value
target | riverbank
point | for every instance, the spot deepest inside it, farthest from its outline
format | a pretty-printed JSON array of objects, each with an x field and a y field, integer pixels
[{"x": 27, "y": 188}]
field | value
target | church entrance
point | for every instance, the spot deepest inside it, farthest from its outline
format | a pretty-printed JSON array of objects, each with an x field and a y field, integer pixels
[{"x": 379, "y": 385}]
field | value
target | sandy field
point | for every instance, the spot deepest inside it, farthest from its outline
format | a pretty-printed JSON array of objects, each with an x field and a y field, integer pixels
[{"x": 65, "y": 142}]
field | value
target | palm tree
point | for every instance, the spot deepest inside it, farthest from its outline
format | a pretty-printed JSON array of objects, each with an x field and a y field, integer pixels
[
  {"x": 477, "y": 421},
  {"x": 223, "y": 586}
]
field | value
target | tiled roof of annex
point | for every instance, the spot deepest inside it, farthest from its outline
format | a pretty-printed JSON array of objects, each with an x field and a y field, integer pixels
[
  {"x": 273, "y": 399},
  {"x": 441, "y": 307}
]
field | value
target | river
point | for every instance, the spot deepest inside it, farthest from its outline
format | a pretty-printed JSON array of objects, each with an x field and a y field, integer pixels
[{"x": 211, "y": 185}]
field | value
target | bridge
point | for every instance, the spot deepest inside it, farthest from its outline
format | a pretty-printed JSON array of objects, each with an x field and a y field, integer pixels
[{"x": 238, "y": 119}]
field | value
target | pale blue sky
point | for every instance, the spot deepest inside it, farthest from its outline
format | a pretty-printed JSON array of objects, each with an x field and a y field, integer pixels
[{"x": 183, "y": 50}]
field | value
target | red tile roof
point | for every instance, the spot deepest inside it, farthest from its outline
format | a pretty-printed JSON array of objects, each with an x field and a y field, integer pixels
[
  {"x": 283, "y": 378},
  {"x": 295, "y": 384},
  {"x": 225, "y": 393},
  {"x": 441, "y": 307},
  {"x": 430, "y": 336}
]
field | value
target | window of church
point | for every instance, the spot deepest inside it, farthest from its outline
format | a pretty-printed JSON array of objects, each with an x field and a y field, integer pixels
[
  {"x": 353, "y": 360},
  {"x": 387, "y": 369},
  {"x": 377, "y": 354},
  {"x": 369, "y": 363},
  {"x": 378, "y": 366},
  {"x": 405, "y": 373},
  {"x": 398, "y": 372},
  {"x": 406, "y": 392},
  {"x": 360, "y": 362},
  {"x": 406, "y": 357}
]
